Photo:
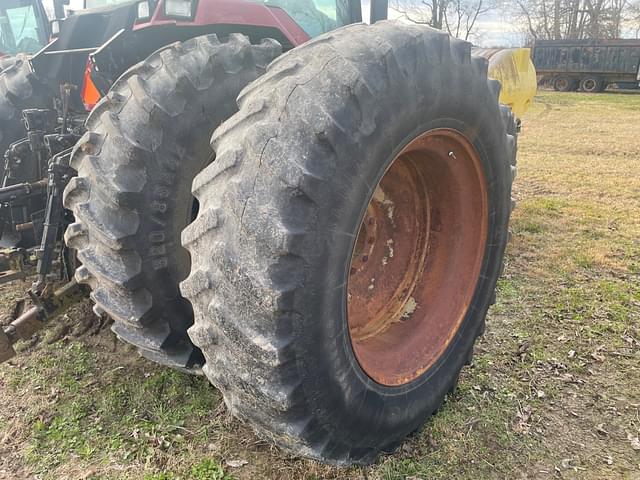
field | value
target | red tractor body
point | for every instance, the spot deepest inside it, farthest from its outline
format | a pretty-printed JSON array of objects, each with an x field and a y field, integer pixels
[
  {"x": 119, "y": 36},
  {"x": 239, "y": 13}
]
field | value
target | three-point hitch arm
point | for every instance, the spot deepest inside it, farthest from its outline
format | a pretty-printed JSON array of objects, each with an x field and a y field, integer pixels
[{"x": 45, "y": 307}]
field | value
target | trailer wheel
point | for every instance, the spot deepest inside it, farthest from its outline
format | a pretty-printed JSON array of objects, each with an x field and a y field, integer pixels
[
  {"x": 132, "y": 197},
  {"x": 592, "y": 85},
  {"x": 564, "y": 84},
  {"x": 350, "y": 236}
]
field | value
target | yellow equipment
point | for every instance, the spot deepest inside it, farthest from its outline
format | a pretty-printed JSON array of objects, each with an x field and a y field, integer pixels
[{"x": 515, "y": 71}]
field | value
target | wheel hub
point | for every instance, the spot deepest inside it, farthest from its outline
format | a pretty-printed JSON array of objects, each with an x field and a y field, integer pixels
[{"x": 417, "y": 257}]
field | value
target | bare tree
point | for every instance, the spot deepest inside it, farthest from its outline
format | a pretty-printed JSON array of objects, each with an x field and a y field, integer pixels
[
  {"x": 557, "y": 19},
  {"x": 426, "y": 12},
  {"x": 632, "y": 19},
  {"x": 541, "y": 19},
  {"x": 458, "y": 17},
  {"x": 461, "y": 16}
]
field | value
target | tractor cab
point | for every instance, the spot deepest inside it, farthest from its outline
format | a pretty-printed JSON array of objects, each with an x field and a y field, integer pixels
[
  {"x": 317, "y": 16},
  {"x": 24, "y": 27},
  {"x": 115, "y": 34}
]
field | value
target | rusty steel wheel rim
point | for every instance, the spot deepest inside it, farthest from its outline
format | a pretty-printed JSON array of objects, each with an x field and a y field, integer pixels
[{"x": 417, "y": 258}]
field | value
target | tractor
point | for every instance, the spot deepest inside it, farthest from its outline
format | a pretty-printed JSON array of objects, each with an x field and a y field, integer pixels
[
  {"x": 24, "y": 30},
  {"x": 310, "y": 210}
]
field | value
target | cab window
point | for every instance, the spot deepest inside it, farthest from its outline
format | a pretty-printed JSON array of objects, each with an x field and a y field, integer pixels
[
  {"x": 19, "y": 28},
  {"x": 315, "y": 16}
]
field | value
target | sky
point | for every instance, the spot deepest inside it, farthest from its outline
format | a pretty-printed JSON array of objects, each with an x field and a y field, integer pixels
[
  {"x": 495, "y": 31},
  {"x": 492, "y": 30},
  {"x": 73, "y": 4}
]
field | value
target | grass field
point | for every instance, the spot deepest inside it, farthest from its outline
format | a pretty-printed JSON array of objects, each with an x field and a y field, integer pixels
[{"x": 554, "y": 391}]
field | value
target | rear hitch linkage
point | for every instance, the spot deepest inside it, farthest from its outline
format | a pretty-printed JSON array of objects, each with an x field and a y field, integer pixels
[
  {"x": 45, "y": 307},
  {"x": 47, "y": 150}
]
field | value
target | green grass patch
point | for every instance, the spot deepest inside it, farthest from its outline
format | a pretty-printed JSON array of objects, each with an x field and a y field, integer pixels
[
  {"x": 619, "y": 100},
  {"x": 117, "y": 415}
]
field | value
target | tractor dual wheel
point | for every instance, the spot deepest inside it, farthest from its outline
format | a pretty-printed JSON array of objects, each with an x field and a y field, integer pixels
[
  {"x": 145, "y": 143},
  {"x": 350, "y": 236}
]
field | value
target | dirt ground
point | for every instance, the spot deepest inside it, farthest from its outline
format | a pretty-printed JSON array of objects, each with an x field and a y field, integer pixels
[{"x": 554, "y": 391}]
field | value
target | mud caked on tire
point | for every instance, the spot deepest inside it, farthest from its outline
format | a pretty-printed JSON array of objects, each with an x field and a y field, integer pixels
[
  {"x": 19, "y": 90},
  {"x": 350, "y": 235},
  {"x": 132, "y": 197}
]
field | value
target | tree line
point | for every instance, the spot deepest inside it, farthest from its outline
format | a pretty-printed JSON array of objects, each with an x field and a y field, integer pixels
[{"x": 538, "y": 19}]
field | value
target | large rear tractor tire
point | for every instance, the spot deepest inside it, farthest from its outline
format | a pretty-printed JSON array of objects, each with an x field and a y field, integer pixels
[
  {"x": 144, "y": 144},
  {"x": 350, "y": 236}
]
